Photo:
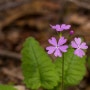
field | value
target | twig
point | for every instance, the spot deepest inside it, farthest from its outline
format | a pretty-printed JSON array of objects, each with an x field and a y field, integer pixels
[
  {"x": 81, "y": 4},
  {"x": 13, "y": 4},
  {"x": 12, "y": 73},
  {"x": 10, "y": 54}
]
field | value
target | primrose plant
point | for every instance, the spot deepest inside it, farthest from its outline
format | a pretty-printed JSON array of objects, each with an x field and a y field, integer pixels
[{"x": 68, "y": 69}]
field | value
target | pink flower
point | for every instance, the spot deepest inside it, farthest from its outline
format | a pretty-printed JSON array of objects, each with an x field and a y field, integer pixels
[
  {"x": 57, "y": 47},
  {"x": 61, "y": 27},
  {"x": 79, "y": 47}
]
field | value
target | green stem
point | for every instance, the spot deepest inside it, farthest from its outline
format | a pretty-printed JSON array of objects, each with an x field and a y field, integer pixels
[
  {"x": 59, "y": 34},
  {"x": 63, "y": 72}
]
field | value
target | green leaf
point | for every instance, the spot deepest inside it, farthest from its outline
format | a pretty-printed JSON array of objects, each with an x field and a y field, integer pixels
[
  {"x": 37, "y": 67},
  {"x": 7, "y": 87},
  {"x": 88, "y": 61},
  {"x": 55, "y": 88},
  {"x": 74, "y": 68}
]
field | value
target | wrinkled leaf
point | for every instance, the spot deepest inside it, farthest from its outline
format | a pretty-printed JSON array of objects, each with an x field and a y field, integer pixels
[
  {"x": 88, "y": 62},
  {"x": 74, "y": 68},
  {"x": 37, "y": 67}
]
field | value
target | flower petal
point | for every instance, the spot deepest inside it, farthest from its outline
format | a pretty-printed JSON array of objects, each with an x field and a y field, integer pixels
[
  {"x": 53, "y": 41},
  {"x": 53, "y": 27},
  {"x": 73, "y": 44},
  {"x": 63, "y": 48},
  {"x": 64, "y": 26},
  {"x": 78, "y": 41},
  {"x": 83, "y": 46},
  {"x": 67, "y": 27},
  {"x": 79, "y": 52},
  {"x": 58, "y": 27},
  {"x": 62, "y": 41},
  {"x": 58, "y": 53},
  {"x": 50, "y": 49}
]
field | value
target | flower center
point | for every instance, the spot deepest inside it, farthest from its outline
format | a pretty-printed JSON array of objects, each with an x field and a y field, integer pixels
[
  {"x": 57, "y": 47},
  {"x": 78, "y": 46}
]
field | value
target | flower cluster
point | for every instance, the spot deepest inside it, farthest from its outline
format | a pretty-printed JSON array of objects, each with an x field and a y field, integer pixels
[
  {"x": 58, "y": 47},
  {"x": 60, "y": 27}
]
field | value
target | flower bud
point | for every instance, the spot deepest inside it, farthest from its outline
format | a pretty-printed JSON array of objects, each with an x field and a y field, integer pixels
[{"x": 71, "y": 32}]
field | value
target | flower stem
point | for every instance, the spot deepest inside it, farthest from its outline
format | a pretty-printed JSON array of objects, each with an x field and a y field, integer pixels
[{"x": 63, "y": 72}]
